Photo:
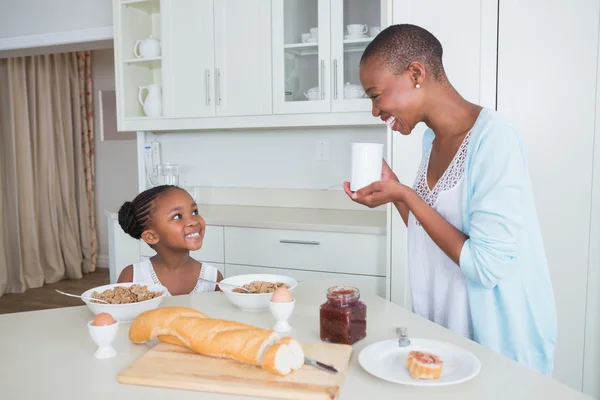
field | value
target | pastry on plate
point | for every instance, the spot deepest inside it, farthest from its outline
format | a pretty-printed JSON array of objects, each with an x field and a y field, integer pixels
[{"x": 423, "y": 365}]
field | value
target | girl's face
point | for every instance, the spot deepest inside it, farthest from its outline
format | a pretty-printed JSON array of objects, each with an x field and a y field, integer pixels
[
  {"x": 175, "y": 222},
  {"x": 396, "y": 100}
]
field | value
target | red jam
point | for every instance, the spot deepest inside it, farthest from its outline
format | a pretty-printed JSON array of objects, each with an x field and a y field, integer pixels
[{"x": 343, "y": 316}]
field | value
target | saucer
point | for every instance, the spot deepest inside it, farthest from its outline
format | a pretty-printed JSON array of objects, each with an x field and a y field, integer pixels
[{"x": 351, "y": 37}]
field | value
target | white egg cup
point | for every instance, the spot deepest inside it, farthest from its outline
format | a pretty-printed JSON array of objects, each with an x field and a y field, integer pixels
[
  {"x": 282, "y": 312},
  {"x": 103, "y": 336}
]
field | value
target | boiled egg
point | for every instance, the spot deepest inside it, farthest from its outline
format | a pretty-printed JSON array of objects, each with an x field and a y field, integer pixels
[
  {"x": 103, "y": 319},
  {"x": 282, "y": 295}
]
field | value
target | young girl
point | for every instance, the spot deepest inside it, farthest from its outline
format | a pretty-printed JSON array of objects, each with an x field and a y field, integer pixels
[{"x": 166, "y": 217}]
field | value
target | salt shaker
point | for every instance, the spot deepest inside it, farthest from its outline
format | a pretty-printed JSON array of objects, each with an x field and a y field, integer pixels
[{"x": 403, "y": 339}]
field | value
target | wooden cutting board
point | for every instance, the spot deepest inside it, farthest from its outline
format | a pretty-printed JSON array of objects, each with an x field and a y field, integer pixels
[{"x": 171, "y": 366}]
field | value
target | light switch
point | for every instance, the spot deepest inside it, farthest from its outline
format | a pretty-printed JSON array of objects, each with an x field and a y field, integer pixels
[{"x": 323, "y": 149}]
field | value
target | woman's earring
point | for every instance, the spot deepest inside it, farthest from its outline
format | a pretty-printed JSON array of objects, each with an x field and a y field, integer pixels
[{"x": 417, "y": 86}]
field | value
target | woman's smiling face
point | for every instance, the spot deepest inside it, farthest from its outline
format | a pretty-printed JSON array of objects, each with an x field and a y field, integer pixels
[{"x": 395, "y": 97}]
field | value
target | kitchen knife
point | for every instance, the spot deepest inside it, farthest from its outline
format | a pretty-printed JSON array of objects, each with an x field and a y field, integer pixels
[{"x": 320, "y": 365}]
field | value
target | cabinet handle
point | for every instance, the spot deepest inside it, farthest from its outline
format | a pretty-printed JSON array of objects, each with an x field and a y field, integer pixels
[
  {"x": 335, "y": 79},
  {"x": 322, "y": 79},
  {"x": 218, "y": 86},
  {"x": 309, "y": 242},
  {"x": 207, "y": 87}
]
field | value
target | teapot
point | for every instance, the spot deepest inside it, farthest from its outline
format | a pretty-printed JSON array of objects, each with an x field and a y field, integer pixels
[
  {"x": 152, "y": 105},
  {"x": 147, "y": 48},
  {"x": 353, "y": 91}
]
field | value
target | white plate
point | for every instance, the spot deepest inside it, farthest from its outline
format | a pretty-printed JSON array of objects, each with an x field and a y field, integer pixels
[{"x": 387, "y": 361}]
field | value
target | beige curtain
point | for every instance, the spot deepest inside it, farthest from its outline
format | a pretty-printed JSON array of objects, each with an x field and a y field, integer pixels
[{"x": 46, "y": 211}]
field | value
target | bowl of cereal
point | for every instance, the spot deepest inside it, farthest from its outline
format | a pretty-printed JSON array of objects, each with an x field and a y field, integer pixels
[
  {"x": 126, "y": 300},
  {"x": 261, "y": 287}
]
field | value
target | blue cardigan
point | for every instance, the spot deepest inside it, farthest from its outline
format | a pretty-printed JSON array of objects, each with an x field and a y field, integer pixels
[{"x": 508, "y": 283}]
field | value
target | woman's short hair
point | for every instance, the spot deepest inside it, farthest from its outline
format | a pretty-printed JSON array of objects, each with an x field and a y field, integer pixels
[{"x": 397, "y": 46}]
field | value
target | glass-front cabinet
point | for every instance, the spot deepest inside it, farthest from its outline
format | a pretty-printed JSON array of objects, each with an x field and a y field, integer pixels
[{"x": 317, "y": 45}]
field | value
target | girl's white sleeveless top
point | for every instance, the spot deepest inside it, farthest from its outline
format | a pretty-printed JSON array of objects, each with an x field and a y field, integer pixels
[
  {"x": 438, "y": 286},
  {"x": 143, "y": 272}
]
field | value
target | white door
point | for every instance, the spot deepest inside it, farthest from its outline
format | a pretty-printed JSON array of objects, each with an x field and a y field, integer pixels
[
  {"x": 188, "y": 58},
  {"x": 243, "y": 76},
  {"x": 470, "y": 62},
  {"x": 301, "y": 66},
  {"x": 354, "y": 24},
  {"x": 555, "y": 112}
]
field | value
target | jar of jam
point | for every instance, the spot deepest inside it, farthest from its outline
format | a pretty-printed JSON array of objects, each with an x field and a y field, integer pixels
[{"x": 343, "y": 316}]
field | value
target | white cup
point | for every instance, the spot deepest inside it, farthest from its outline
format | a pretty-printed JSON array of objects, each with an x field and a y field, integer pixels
[
  {"x": 366, "y": 164},
  {"x": 305, "y": 37},
  {"x": 103, "y": 336},
  {"x": 314, "y": 32},
  {"x": 357, "y": 29},
  {"x": 374, "y": 31}
]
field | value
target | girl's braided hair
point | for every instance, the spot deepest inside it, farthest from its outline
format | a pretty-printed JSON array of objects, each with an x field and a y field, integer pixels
[{"x": 135, "y": 216}]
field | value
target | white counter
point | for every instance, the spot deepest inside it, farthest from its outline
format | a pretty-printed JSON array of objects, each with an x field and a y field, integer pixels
[
  {"x": 48, "y": 354},
  {"x": 348, "y": 221}
]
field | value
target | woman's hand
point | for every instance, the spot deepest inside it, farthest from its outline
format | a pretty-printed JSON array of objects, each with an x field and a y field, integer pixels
[{"x": 377, "y": 193}]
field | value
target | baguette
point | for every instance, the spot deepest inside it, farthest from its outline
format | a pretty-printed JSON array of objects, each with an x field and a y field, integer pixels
[{"x": 219, "y": 338}]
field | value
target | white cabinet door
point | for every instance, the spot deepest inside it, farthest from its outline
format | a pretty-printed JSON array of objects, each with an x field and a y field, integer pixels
[
  {"x": 188, "y": 58},
  {"x": 301, "y": 68},
  {"x": 348, "y": 42},
  {"x": 243, "y": 57},
  {"x": 370, "y": 284},
  {"x": 556, "y": 115},
  {"x": 470, "y": 62}
]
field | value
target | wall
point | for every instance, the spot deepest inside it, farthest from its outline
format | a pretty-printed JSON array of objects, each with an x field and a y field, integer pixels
[
  {"x": 558, "y": 128},
  {"x": 116, "y": 161},
  {"x": 282, "y": 159},
  {"x": 42, "y": 17}
]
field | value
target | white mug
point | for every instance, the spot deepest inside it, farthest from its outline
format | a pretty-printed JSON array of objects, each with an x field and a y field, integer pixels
[
  {"x": 314, "y": 32},
  {"x": 374, "y": 31},
  {"x": 305, "y": 37},
  {"x": 367, "y": 159},
  {"x": 357, "y": 29}
]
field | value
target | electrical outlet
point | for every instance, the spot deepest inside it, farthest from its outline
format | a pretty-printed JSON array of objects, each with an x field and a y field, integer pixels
[{"x": 322, "y": 149}]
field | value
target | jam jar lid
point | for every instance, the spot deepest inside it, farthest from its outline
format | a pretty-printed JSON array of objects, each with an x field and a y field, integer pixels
[{"x": 343, "y": 294}]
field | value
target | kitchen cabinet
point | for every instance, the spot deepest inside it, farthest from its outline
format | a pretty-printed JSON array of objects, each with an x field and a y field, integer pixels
[
  {"x": 217, "y": 58},
  {"x": 371, "y": 284},
  {"x": 317, "y": 45},
  {"x": 352, "y": 258}
]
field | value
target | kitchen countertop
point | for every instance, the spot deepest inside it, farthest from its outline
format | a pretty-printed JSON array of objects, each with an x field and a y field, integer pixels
[
  {"x": 49, "y": 353},
  {"x": 329, "y": 220}
]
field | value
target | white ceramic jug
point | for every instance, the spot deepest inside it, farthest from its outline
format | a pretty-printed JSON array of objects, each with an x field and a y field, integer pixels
[
  {"x": 153, "y": 104},
  {"x": 147, "y": 48}
]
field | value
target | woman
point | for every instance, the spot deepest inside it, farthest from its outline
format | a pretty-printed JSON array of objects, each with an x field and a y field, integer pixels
[{"x": 476, "y": 258}]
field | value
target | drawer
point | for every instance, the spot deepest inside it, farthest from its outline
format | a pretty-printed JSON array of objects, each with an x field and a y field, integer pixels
[
  {"x": 353, "y": 253},
  {"x": 212, "y": 249},
  {"x": 371, "y": 284}
]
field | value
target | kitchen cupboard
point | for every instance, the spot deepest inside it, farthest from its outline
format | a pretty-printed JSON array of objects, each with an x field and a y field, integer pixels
[
  {"x": 352, "y": 258},
  {"x": 317, "y": 45},
  {"x": 217, "y": 58},
  {"x": 227, "y": 64}
]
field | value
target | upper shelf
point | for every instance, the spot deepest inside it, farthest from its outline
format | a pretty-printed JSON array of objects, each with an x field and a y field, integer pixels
[
  {"x": 306, "y": 49},
  {"x": 151, "y": 63},
  {"x": 147, "y": 6}
]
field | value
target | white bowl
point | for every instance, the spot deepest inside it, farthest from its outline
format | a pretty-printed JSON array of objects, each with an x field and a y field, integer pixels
[
  {"x": 253, "y": 301},
  {"x": 125, "y": 312}
]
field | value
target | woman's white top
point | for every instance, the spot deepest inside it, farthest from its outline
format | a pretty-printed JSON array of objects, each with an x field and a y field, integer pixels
[
  {"x": 438, "y": 286},
  {"x": 143, "y": 272}
]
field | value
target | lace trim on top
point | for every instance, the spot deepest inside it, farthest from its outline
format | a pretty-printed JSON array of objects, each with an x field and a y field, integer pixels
[
  {"x": 198, "y": 281},
  {"x": 447, "y": 181}
]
